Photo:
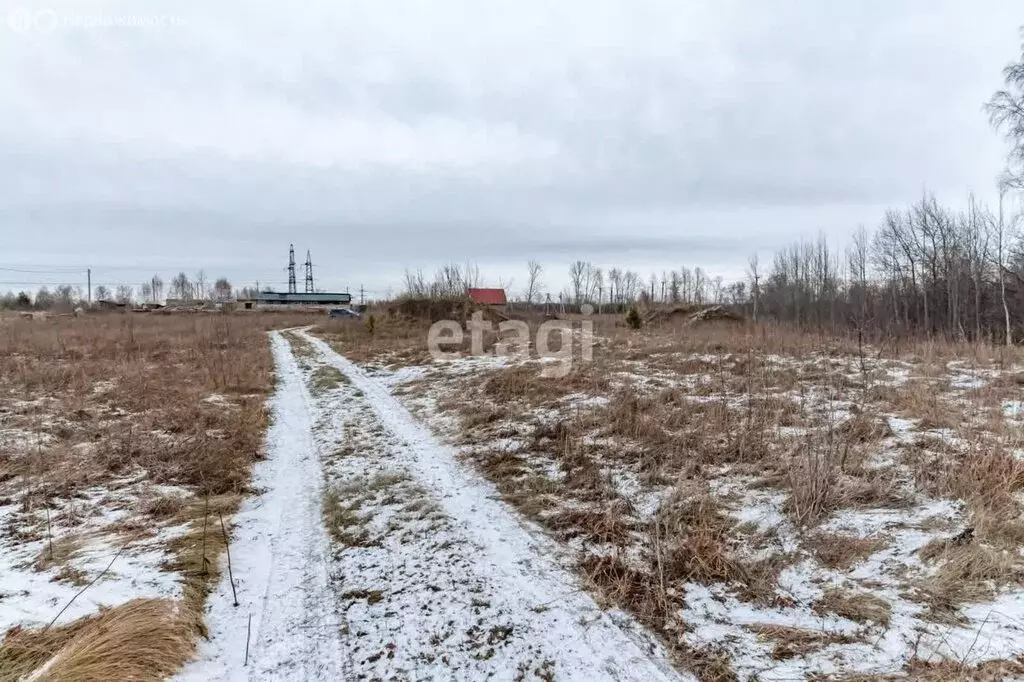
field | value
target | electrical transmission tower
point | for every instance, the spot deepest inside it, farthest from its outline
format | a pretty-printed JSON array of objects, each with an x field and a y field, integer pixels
[
  {"x": 309, "y": 274},
  {"x": 292, "y": 289}
]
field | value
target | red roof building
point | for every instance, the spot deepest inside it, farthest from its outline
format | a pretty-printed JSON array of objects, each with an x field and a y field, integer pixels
[{"x": 487, "y": 296}]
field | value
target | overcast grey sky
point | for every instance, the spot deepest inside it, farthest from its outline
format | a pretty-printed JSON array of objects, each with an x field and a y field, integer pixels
[{"x": 386, "y": 134}]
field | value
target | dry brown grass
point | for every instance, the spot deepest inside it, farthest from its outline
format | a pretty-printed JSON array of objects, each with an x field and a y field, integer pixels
[
  {"x": 690, "y": 541},
  {"x": 790, "y": 642},
  {"x": 713, "y": 406},
  {"x": 398, "y": 336},
  {"x": 708, "y": 663},
  {"x": 57, "y": 552},
  {"x": 326, "y": 377},
  {"x": 956, "y": 671},
  {"x": 164, "y": 506},
  {"x": 524, "y": 382},
  {"x": 862, "y": 607},
  {"x": 605, "y": 523},
  {"x": 943, "y": 671},
  {"x": 988, "y": 478},
  {"x": 922, "y": 399},
  {"x": 969, "y": 573},
  {"x": 865, "y": 427},
  {"x": 152, "y": 416},
  {"x": 195, "y": 555},
  {"x": 160, "y": 369},
  {"x": 841, "y": 552},
  {"x": 142, "y": 640}
]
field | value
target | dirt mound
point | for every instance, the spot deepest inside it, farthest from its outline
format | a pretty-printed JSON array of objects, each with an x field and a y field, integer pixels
[
  {"x": 436, "y": 309},
  {"x": 675, "y": 313},
  {"x": 689, "y": 314},
  {"x": 425, "y": 309},
  {"x": 716, "y": 313}
]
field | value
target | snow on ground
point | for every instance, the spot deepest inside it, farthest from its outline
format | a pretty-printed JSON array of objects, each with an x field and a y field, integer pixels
[
  {"x": 991, "y": 630},
  {"x": 86, "y": 544},
  {"x": 285, "y": 619},
  {"x": 454, "y": 586},
  {"x": 427, "y": 578},
  {"x": 716, "y": 619}
]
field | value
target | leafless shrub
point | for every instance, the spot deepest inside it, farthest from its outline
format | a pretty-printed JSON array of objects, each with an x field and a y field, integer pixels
[
  {"x": 689, "y": 542},
  {"x": 813, "y": 481}
]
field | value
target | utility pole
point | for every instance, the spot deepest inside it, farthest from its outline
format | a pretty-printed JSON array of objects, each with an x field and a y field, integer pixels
[
  {"x": 292, "y": 289},
  {"x": 88, "y": 286},
  {"x": 309, "y": 273}
]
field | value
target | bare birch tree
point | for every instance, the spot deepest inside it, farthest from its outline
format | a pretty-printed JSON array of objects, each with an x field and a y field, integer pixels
[{"x": 533, "y": 282}]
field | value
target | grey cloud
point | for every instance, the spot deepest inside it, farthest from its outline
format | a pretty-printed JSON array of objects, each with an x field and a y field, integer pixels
[{"x": 393, "y": 134}]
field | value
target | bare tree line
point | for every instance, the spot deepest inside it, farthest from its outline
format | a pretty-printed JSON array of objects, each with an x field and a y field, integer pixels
[
  {"x": 926, "y": 269},
  {"x": 449, "y": 281},
  {"x": 614, "y": 288},
  {"x": 181, "y": 287}
]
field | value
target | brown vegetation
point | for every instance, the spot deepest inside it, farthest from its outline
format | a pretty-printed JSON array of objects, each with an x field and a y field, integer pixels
[
  {"x": 861, "y": 607},
  {"x": 643, "y": 458},
  {"x": 162, "y": 399}
]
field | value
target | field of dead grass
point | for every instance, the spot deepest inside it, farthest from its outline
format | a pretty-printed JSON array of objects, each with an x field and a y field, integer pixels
[
  {"x": 123, "y": 440},
  {"x": 772, "y": 502}
]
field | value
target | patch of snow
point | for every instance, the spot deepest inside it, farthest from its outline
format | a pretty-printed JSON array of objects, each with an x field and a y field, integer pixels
[
  {"x": 101, "y": 387},
  {"x": 511, "y": 570},
  {"x": 31, "y": 598},
  {"x": 1013, "y": 409},
  {"x": 24, "y": 440},
  {"x": 583, "y": 400},
  {"x": 967, "y": 382},
  {"x": 902, "y": 429}
]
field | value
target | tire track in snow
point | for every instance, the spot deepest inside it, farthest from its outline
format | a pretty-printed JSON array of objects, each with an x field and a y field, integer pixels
[
  {"x": 279, "y": 557},
  {"x": 585, "y": 643}
]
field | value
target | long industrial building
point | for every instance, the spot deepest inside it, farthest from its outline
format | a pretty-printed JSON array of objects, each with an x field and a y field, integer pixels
[{"x": 323, "y": 298}]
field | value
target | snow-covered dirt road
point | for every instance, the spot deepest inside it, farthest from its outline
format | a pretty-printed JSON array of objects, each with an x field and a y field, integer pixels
[
  {"x": 285, "y": 619},
  {"x": 373, "y": 554}
]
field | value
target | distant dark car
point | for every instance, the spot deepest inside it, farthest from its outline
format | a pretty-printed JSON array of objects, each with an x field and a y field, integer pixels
[{"x": 342, "y": 312}]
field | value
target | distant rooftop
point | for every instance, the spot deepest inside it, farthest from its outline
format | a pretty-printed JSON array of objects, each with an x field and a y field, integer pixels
[{"x": 487, "y": 296}]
